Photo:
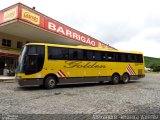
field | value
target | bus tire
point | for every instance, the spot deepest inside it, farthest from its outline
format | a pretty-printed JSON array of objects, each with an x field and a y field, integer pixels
[
  {"x": 115, "y": 79},
  {"x": 50, "y": 82},
  {"x": 125, "y": 78}
]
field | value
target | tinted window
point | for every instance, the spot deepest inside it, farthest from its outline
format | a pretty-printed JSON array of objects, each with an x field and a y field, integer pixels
[
  {"x": 126, "y": 57},
  {"x": 104, "y": 56},
  {"x": 32, "y": 50},
  {"x": 88, "y": 55},
  {"x": 98, "y": 55},
  {"x": 79, "y": 54},
  {"x": 75, "y": 54},
  {"x": 122, "y": 57},
  {"x": 39, "y": 50},
  {"x": 131, "y": 58},
  {"x": 34, "y": 58},
  {"x": 111, "y": 56},
  {"x": 57, "y": 53},
  {"x": 140, "y": 58}
]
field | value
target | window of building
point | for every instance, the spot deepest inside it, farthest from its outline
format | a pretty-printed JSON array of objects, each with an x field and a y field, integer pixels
[
  {"x": 19, "y": 44},
  {"x": 6, "y": 42}
]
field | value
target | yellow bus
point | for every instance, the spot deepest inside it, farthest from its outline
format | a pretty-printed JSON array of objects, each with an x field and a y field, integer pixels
[{"x": 51, "y": 64}]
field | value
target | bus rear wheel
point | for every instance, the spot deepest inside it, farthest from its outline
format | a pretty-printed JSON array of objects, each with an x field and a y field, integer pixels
[
  {"x": 115, "y": 79},
  {"x": 125, "y": 78},
  {"x": 50, "y": 82}
]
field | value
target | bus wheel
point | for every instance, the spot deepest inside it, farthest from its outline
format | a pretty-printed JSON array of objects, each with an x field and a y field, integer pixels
[
  {"x": 125, "y": 78},
  {"x": 115, "y": 79},
  {"x": 50, "y": 82}
]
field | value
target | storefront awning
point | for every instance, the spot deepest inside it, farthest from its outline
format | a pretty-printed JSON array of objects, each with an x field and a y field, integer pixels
[
  {"x": 9, "y": 52},
  {"x": 20, "y": 20}
]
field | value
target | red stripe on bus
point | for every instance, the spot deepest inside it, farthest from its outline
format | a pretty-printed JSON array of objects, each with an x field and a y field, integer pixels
[
  {"x": 132, "y": 70},
  {"x": 62, "y": 73},
  {"x": 59, "y": 73},
  {"x": 129, "y": 70}
]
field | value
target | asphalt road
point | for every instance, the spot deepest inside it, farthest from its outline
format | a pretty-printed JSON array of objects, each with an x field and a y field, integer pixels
[{"x": 137, "y": 97}]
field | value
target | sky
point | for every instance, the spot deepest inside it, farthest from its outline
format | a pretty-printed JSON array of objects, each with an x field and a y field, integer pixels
[{"x": 124, "y": 24}]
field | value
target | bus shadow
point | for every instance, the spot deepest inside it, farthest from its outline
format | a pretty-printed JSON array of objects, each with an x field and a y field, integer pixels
[
  {"x": 134, "y": 81},
  {"x": 30, "y": 88},
  {"x": 61, "y": 86},
  {"x": 75, "y": 85},
  {"x": 78, "y": 85}
]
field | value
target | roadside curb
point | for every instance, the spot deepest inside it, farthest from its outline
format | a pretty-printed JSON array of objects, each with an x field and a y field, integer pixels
[{"x": 7, "y": 79}]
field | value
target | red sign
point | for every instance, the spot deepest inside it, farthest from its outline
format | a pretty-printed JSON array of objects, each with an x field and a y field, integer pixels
[
  {"x": 61, "y": 29},
  {"x": 10, "y": 14},
  {"x": 38, "y": 19},
  {"x": 56, "y": 27},
  {"x": 30, "y": 17},
  {"x": 1, "y": 17},
  {"x": 9, "y": 55}
]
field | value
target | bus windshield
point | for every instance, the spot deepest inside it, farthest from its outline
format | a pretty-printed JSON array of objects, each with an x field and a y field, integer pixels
[{"x": 31, "y": 59}]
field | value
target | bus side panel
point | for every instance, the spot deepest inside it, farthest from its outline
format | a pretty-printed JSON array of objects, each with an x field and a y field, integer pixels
[{"x": 73, "y": 68}]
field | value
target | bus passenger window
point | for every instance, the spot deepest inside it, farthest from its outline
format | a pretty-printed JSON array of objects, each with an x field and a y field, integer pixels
[
  {"x": 88, "y": 55},
  {"x": 139, "y": 58},
  {"x": 57, "y": 53},
  {"x": 131, "y": 58},
  {"x": 122, "y": 57},
  {"x": 97, "y": 55},
  {"x": 103, "y": 56},
  {"x": 111, "y": 56},
  {"x": 75, "y": 54}
]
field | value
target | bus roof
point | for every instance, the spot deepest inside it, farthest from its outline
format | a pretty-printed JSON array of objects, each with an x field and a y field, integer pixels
[{"x": 84, "y": 47}]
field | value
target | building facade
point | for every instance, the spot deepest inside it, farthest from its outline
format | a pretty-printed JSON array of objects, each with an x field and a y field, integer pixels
[{"x": 20, "y": 24}]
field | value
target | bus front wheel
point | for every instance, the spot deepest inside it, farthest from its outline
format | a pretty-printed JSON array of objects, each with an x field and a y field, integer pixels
[{"x": 50, "y": 82}]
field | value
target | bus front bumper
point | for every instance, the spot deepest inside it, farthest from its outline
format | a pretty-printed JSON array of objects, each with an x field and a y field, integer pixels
[{"x": 29, "y": 81}]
